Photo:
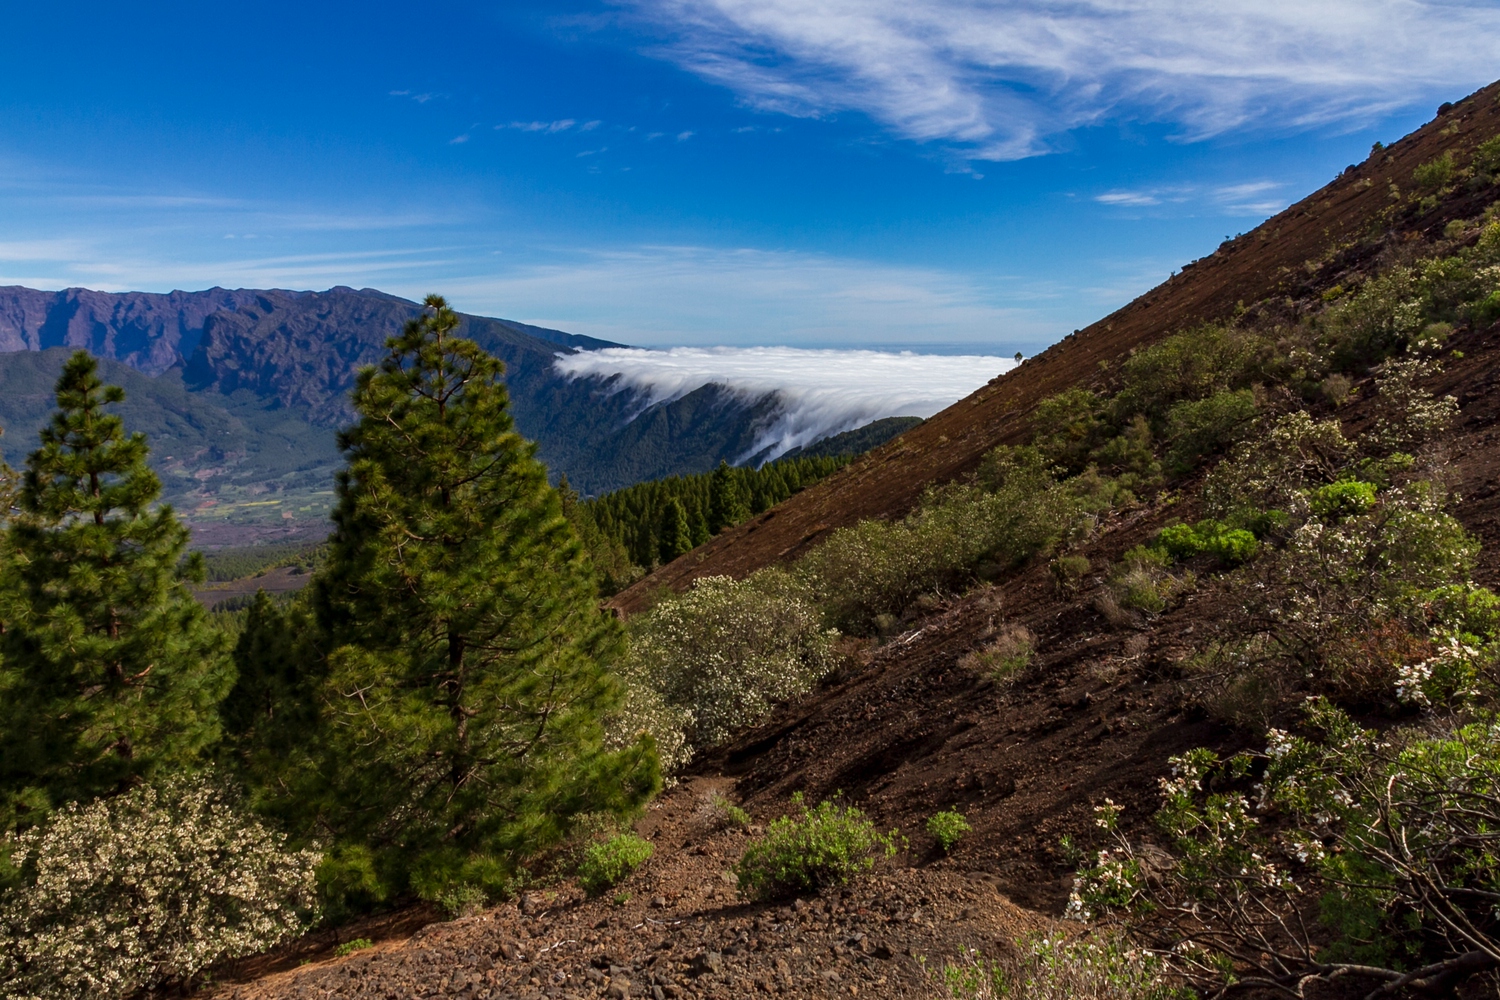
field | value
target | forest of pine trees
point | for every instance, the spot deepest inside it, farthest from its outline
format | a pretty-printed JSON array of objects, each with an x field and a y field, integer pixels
[{"x": 632, "y": 530}]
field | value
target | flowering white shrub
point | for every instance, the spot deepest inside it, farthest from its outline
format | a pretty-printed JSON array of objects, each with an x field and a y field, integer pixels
[
  {"x": 128, "y": 893},
  {"x": 1053, "y": 967},
  {"x": 726, "y": 651},
  {"x": 1358, "y": 856},
  {"x": 644, "y": 709},
  {"x": 1409, "y": 415}
]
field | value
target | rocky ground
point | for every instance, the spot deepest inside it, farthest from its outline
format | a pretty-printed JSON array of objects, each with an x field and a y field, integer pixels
[{"x": 678, "y": 928}]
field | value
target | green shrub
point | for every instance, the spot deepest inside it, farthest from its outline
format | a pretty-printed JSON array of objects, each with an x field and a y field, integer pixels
[
  {"x": 1201, "y": 427},
  {"x": 607, "y": 864},
  {"x": 350, "y": 947},
  {"x": 1344, "y": 498},
  {"x": 811, "y": 850},
  {"x": 725, "y": 814},
  {"x": 462, "y": 900},
  {"x": 1180, "y": 541},
  {"x": 1487, "y": 157},
  {"x": 1233, "y": 546},
  {"x": 1141, "y": 581},
  {"x": 1435, "y": 174},
  {"x": 1465, "y": 609},
  {"x": 1230, "y": 546},
  {"x": 947, "y": 828},
  {"x": 1372, "y": 322},
  {"x": 1068, "y": 427},
  {"x": 1069, "y": 570},
  {"x": 1192, "y": 365},
  {"x": 1012, "y": 511},
  {"x": 131, "y": 893}
]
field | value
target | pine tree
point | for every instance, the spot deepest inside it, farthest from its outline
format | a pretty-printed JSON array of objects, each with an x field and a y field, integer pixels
[
  {"x": 675, "y": 537},
  {"x": 467, "y": 677},
  {"x": 273, "y": 704},
  {"x": 109, "y": 668},
  {"x": 726, "y": 504},
  {"x": 699, "y": 521}
]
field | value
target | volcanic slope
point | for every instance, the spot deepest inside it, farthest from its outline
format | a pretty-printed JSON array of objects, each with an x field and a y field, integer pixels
[
  {"x": 905, "y": 727},
  {"x": 1339, "y": 228}
]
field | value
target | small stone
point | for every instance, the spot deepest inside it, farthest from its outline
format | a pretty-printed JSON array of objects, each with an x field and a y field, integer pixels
[
  {"x": 705, "y": 963},
  {"x": 659, "y": 901},
  {"x": 619, "y": 989}
]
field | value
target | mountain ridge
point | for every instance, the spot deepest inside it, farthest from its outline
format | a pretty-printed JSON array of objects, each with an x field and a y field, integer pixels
[{"x": 240, "y": 392}]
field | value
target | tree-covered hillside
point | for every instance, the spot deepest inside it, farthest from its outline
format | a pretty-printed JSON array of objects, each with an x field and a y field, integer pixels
[{"x": 635, "y": 529}]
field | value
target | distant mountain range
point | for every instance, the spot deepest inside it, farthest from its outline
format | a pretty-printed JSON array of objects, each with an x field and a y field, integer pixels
[{"x": 240, "y": 391}]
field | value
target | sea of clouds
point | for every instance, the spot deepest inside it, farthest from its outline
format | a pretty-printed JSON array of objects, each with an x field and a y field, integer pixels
[{"x": 820, "y": 392}]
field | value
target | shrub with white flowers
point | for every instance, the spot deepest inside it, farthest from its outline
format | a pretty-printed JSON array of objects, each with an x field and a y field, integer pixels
[
  {"x": 145, "y": 889},
  {"x": 725, "y": 652},
  {"x": 1054, "y": 967},
  {"x": 1358, "y": 856}
]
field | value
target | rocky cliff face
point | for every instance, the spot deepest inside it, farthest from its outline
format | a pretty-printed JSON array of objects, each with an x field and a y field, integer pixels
[{"x": 149, "y": 332}]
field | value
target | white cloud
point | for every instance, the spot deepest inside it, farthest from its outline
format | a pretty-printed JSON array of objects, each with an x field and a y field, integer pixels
[
  {"x": 1252, "y": 198},
  {"x": 1130, "y": 199},
  {"x": 997, "y": 78},
  {"x": 820, "y": 392},
  {"x": 561, "y": 125}
]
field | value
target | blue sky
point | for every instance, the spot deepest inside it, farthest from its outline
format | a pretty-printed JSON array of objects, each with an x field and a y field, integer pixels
[{"x": 945, "y": 175}]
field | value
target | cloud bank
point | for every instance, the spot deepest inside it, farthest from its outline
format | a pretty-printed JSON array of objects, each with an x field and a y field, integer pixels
[
  {"x": 998, "y": 78},
  {"x": 820, "y": 392}
]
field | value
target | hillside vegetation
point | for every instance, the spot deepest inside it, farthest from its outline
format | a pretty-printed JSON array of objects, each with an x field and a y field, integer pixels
[
  {"x": 1198, "y": 644},
  {"x": 640, "y": 527},
  {"x": 1167, "y": 665}
]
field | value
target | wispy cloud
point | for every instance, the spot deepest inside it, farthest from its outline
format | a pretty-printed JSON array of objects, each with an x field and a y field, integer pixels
[
  {"x": 1253, "y": 198},
  {"x": 1130, "y": 199},
  {"x": 819, "y": 392},
  {"x": 995, "y": 80},
  {"x": 561, "y": 125}
]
